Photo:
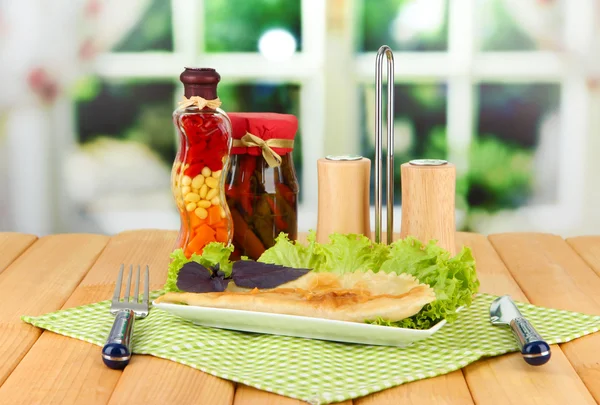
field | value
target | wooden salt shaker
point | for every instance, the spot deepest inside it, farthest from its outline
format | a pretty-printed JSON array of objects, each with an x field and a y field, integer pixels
[
  {"x": 428, "y": 201},
  {"x": 344, "y": 183}
]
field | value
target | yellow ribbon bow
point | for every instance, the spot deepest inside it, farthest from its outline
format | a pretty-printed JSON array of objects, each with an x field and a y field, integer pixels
[
  {"x": 271, "y": 157},
  {"x": 200, "y": 102}
]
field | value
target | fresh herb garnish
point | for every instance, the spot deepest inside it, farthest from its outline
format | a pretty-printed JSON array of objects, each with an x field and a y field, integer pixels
[
  {"x": 250, "y": 274},
  {"x": 196, "y": 278}
]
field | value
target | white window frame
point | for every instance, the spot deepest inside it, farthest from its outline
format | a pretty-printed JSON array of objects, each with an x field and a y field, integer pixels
[
  {"x": 462, "y": 67},
  {"x": 321, "y": 66}
]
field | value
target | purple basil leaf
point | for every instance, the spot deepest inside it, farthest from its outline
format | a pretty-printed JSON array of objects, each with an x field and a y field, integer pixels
[
  {"x": 251, "y": 274},
  {"x": 220, "y": 283},
  {"x": 194, "y": 277}
]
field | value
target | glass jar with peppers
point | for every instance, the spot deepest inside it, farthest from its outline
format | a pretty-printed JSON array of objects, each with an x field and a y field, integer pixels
[
  {"x": 197, "y": 176},
  {"x": 261, "y": 187}
]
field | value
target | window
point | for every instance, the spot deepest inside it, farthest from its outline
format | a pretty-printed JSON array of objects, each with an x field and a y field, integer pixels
[{"x": 477, "y": 83}]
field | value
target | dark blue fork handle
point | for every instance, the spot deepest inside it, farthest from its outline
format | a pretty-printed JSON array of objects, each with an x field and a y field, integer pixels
[
  {"x": 534, "y": 349},
  {"x": 116, "y": 353}
]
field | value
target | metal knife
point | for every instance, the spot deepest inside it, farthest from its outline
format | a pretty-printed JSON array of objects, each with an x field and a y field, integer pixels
[{"x": 534, "y": 348}]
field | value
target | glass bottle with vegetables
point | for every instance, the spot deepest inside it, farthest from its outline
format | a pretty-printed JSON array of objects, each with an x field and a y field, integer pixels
[
  {"x": 196, "y": 177},
  {"x": 261, "y": 186}
]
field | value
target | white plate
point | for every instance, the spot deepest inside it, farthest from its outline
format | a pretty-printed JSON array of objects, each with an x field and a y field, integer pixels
[{"x": 299, "y": 326}]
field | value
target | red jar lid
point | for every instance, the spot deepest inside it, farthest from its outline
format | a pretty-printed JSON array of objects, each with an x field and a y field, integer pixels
[{"x": 269, "y": 127}]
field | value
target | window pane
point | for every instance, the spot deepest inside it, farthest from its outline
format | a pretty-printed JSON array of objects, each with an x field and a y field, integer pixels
[
  {"x": 153, "y": 32},
  {"x": 404, "y": 25},
  {"x": 129, "y": 111},
  {"x": 508, "y": 25},
  {"x": 119, "y": 176},
  {"x": 419, "y": 127},
  {"x": 238, "y": 25},
  {"x": 513, "y": 160},
  {"x": 263, "y": 97},
  {"x": 128, "y": 144}
]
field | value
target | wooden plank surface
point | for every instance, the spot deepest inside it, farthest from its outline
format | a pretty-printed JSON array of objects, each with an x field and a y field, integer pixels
[
  {"x": 54, "y": 369},
  {"x": 588, "y": 247},
  {"x": 12, "y": 245},
  {"x": 252, "y": 396},
  {"x": 552, "y": 274},
  {"x": 508, "y": 379},
  {"x": 150, "y": 380},
  {"x": 40, "y": 280},
  {"x": 445, "y": 389}
]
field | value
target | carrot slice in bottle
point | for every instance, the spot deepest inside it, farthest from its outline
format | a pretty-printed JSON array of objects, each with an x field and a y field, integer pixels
[
  {"x": 214, "y": 215},
  {"x": 204, "y": 236},
  {"x": 221, "y": 224},
  {"x": 221, "y": 235},
  {"x": 195, "y": 221}
]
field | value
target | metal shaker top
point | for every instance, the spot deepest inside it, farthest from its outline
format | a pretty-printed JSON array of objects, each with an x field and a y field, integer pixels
[
  {"x": 343, "y": 157},
  {"x": 428, "y": 162}
]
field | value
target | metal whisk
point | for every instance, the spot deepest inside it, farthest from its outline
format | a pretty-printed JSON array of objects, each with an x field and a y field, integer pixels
[{"x": 384, "y": 51}]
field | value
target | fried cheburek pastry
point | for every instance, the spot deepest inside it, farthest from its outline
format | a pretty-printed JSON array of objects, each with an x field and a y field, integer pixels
[{"x": 352, "y": 297}]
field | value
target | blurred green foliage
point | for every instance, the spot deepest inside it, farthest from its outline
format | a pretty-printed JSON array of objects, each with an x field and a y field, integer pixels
[
  {"x": 499, "y": 31},
  {"x": 376, "y": 22},
  {"x": 128, "y": 109},
  {"x": 499, "y": 172},
  {"x": 86, "y": 88},
  {"x": 153, "y": 32},
  {"x": 514, "y": 112},
  {"x": 236, "y": 25}
]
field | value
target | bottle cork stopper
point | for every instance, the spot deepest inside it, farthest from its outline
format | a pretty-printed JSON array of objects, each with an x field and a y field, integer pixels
[
  {"x": 428, "y": 202},
  {"x": 344, "y": 183}
]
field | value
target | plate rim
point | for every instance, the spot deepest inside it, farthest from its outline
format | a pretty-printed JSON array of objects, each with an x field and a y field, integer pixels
[{"x": 365, "y": 326}]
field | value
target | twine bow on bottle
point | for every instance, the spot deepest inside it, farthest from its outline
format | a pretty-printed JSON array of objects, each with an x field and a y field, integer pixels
[
  {"x": 200, "y": 102},
  {"x": 271, "y": 157}
]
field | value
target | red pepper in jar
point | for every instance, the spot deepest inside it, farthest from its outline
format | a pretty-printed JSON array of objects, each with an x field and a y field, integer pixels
[
  {"x": 248, "y": 166},
  {"x": 262, "y": 186},
  {"x": 279, "y": 222}
]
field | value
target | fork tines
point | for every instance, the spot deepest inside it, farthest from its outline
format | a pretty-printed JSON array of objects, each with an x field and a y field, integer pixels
[{"x": 134, "y": 302}]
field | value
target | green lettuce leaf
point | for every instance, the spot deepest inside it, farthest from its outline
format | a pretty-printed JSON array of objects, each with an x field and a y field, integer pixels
[
  {"x": 294, "y": 254},
  {"x": 344, "y": 253},
  {"x": 453, "y": 279},
  {"x": 352, "y": 252},
  {"x": 212, "y": 254},
  {"x": 178, "y": 259},
  {"x": 216, "y": 252}
]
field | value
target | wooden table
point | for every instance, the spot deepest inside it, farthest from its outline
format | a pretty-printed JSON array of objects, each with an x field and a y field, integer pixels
[{"x": 61, "y": 271}]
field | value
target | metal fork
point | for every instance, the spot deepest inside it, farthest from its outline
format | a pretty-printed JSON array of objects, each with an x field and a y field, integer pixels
[{"x": 116, "y": 352}]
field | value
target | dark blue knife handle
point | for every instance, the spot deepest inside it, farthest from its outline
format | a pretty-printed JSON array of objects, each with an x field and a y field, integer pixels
[
  {"x": 534, "y": 349},
  {"x": 116, "y": 353}
]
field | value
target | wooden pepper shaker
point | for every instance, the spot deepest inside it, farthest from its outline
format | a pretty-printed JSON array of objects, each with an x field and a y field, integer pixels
[
  {"x": 344, "y": 183},
  {"x": 428, "y": 201}
]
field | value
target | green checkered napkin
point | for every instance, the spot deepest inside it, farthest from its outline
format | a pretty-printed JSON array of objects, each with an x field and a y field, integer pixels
[{"x": 316, "y": 371}]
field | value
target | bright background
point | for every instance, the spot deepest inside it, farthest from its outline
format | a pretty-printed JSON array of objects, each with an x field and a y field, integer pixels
[{"x": 508, "y": 90}]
